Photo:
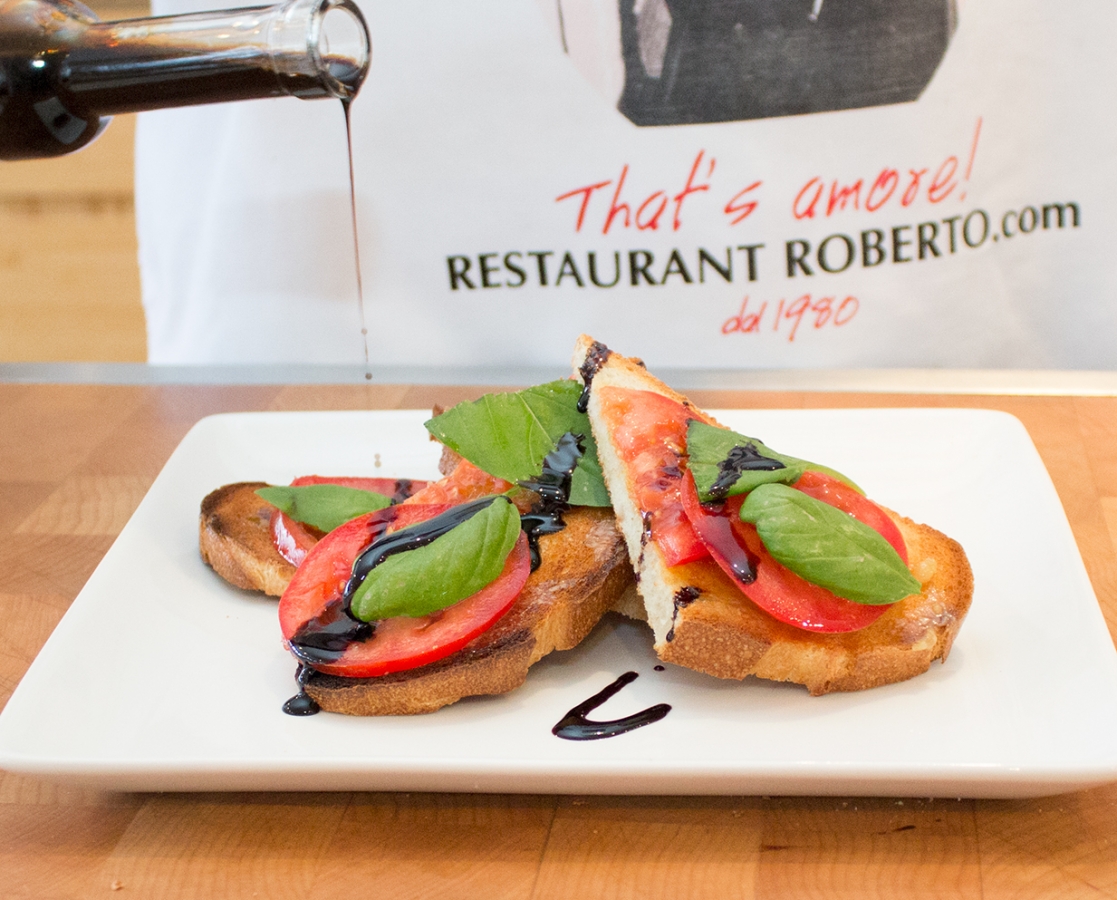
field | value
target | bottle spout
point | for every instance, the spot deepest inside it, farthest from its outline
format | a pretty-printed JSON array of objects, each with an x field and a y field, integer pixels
[
  {"x": 320, "y": 46},
  {"x": 301, "y": 48},
  {"x": 63, "y": 72}
]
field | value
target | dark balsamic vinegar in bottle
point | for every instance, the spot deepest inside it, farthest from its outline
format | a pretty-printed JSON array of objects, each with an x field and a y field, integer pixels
[{"x": 64, "y": 74}]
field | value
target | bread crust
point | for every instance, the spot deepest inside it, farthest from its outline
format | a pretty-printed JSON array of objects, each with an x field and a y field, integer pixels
[
  {"x": 235, "y": 539},
  {"x": 584, "y": 573},
  {"x": 704, "y": 622}
]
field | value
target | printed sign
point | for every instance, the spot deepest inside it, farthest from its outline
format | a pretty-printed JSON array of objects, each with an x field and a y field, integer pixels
[{"x": 733, "y": 183}]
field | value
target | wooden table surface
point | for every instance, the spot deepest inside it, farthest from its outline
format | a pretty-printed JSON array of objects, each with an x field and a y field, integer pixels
[
  {"x": 75, "y": 460},
  {"x": 69, "y": 273}
]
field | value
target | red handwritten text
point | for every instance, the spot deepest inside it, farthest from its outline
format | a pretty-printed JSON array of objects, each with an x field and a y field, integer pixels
[
  {"x": 822, "y": 198},
  {"x": 786, "y": 317},
  {"x": 646, "y": 213}
]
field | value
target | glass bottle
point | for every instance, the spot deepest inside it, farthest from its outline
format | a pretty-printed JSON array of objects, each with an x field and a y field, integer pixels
[{"x": 64, "y": 73}]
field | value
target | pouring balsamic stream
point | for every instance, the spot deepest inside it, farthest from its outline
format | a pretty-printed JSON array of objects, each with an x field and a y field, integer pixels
[{"x": 346, "y": 103}]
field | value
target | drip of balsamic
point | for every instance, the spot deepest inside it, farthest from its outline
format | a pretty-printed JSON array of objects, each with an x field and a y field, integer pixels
[
  {"x": 411, "y": 538},
  {"x": 684, "y": 596},
  {"x": 645, "y": 536},
  {"x": 575, "y": 726},
  {"x": 595, "y": 359},
  {"x": 553, "y": 482},
  {"x": 742, "y": 458},
  {"x": 717, "y": 531},
  {"x": 326, "y": 637},
  {"x": 553, "y": 487},
  {"x": 302, "y": 704},
  {"x": 535, "y": 525},
  {"x": 346, "y": 103},
  {"x": 402, "y": 489}
]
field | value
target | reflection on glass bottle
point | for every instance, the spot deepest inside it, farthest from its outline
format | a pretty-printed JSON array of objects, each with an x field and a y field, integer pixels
[{"x": 64, "y": 74}]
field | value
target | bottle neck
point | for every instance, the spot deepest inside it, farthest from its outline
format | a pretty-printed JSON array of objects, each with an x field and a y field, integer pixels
[{"x": 304, "y": 48}]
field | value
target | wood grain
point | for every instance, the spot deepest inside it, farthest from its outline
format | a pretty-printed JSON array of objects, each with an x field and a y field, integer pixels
[
  {"x": 69, "y": 274},
  {"x": 74, "y": 462},
  {"x": 644, "y": 847}
]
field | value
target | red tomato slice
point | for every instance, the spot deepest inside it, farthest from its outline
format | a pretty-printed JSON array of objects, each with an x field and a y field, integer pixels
[
  {"x": 328, "y": 571},
  {"x": 293, "y": 540},
  {"x": 830, "y": 490},
  {"x": 650, "y": 436},
  {"x": 399, "y": 489},
  {"x": 714, "y": 526},
  {"x": 466, "y": 482},
  {"x": 401, "y": 642},
  {"x": 776, "y": 590}
]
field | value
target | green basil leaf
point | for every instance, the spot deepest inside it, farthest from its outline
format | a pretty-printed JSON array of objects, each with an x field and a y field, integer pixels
[
  {"x": 509, "y": 434},
  {"x": 708, "y": 447},
  {"x": 450, "y": 568},
  {"x": 324, "y": 506},
  {"x": 828, "y": 547}
]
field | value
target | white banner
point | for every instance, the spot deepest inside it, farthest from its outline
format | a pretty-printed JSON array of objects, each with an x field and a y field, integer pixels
[{"x": 727, "y": 183}]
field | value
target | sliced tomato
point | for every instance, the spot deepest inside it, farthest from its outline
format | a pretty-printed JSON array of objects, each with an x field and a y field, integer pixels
[
  {"x": 836, "y": 493},
  {"x": 649, "y": 435},
  {"x": 787, "y": 597},
  {"x": 776, "y": 589},
  {"x": 293, "y": 539},
  {"x": 402, "y": 642},
  {"x": 713, "y": 523},
  {"x": 466, "y": 482},
  {"x": 327, "y": 572},
  {"x": 398, "y": 489}
]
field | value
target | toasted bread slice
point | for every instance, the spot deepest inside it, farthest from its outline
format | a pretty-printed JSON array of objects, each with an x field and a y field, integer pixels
[
  {"x": 703, "y": 621},
  {"x": 236, "y": 540},
  {"x": 234, "y": 535},
  {"x": 583, "y": 574}
]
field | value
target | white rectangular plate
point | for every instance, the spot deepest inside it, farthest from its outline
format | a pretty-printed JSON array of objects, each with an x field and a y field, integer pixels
[{"x": 161, "y": 677}]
